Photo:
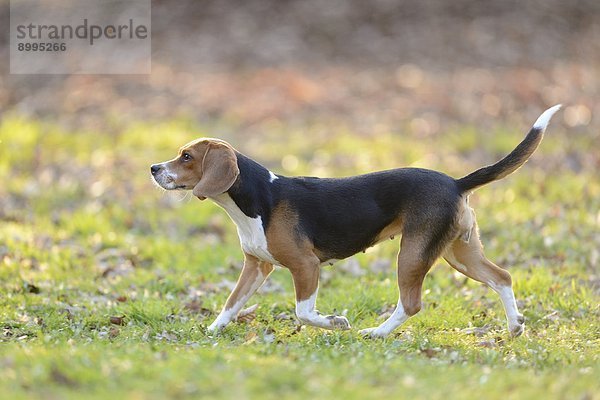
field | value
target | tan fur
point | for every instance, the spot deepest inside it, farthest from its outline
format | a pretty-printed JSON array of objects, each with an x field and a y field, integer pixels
[
  {"x": 250, "y": 272},
  {"x": 294, "y": 252},
  {"x": 211, "y": 170},
  {"x": 468, "y": 258},
  {"x": 390, "y": 231},
  {"x": 412, "y": 268},
  {"x": 465, "y": 220},
  {"x": 219, "y": 170}
]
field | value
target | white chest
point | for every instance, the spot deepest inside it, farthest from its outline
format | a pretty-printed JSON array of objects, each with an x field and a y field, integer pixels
[{"x": 250, "y": 230}]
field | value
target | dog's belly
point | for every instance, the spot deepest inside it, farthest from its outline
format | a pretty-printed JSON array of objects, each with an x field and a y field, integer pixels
[
  {"x": 340, "y": 240},
  {"x": 250, "y": 230}
]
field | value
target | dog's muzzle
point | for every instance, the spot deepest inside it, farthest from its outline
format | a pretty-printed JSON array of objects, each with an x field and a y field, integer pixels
[{"x": 155, "y": 169}]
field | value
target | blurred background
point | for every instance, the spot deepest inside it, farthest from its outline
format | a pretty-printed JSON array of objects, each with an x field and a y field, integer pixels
[{"x": 407, "y": 66}]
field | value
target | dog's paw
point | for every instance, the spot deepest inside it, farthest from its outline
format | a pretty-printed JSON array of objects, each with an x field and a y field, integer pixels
[
  {"x": 214, "y": 328},
  {"x": 338, "y": 322},
  {"x": 372, "y": 333},
  {"x": 517, "y": 328}
]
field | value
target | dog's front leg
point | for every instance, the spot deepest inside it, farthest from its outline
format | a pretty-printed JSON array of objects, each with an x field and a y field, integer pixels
[
  {"x": 306, "y": 283},
  {"x": 252, "y": 277}
]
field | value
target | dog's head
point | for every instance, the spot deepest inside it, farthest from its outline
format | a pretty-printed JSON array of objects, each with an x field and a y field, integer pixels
[{"x": 206, "y": 166}]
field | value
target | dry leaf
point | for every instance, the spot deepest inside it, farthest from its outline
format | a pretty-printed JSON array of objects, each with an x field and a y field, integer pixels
[
  {"x": 283, "y": 316},
  {"x": 477, "y": 331},
  {"x": 195, "y": 307},
  {"x": 57, "y": 376},
  {"x": 31, "y": 288},
  {"x": 117, "y": 320},
  {"x": 429, "y": 352},
  {"x": 247, "y": 314},
  {"x": 487, "y": 343},
  {"x": 113, "y": 332},
  {"x": 250, "y": 338}
]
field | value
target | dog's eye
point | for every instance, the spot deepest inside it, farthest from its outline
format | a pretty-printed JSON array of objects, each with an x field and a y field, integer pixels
[{"x": 186, "y": 157}]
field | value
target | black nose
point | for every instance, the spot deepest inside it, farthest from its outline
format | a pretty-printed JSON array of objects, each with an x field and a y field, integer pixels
[{"x": 154, "y": 169}]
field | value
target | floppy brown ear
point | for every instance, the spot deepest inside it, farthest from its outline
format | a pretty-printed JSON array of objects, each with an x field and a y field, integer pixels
[{"x": 219, "y": 171}]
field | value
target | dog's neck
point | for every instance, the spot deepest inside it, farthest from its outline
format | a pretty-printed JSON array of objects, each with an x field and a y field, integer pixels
[{"x": 252, "y": 191}]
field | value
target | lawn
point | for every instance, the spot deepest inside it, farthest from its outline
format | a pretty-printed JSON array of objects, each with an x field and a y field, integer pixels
[{"x": 107, "y": 283}]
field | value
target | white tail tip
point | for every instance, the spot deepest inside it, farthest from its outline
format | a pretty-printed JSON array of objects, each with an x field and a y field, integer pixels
[{"x": 544, "y": 119}]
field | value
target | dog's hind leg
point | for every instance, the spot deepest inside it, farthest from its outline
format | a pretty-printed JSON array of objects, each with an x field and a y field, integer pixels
[
  {"x": 254, "y": 273},
  {"x": 467, "y": 257},
  {"x": 414, "y": 261}
]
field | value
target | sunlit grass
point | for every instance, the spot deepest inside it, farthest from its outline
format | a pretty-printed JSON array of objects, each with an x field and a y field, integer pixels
[{"x": 85, "y": 236}]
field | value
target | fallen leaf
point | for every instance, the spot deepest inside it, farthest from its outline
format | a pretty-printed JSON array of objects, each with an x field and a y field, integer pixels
[
  {"x": 553, "y": 316},
  {"x": 429, "y": 352},
  {"x": 477, "y": 331},
  {"x": 250, "y": 338},
  {"x": 117, "y": 320},
  {"x": 247, "y": 314},
  {"x": 31, "y": 288},
  {"x": 283, "y": 316},
  {"x": 114, "y": 332},
  {"x": 60, "y": 378},
  {"x": 195, "y": 307},
  {"x": 487, "y": 343},
  {"x": 386, "y": 311}
]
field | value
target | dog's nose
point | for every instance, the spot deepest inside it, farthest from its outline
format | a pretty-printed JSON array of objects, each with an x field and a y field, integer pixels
[{"x": 154, "y": 169}]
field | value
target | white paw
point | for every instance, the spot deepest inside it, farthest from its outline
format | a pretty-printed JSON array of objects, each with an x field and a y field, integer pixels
[
  {"x": 214, "y": 328},
  {"x": 517, "y": 329},
  {"x": 372, "y": 333},
  {"x": 338, "y": 322}
]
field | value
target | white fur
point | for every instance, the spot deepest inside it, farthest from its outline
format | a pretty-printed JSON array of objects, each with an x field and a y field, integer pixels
[
  {"x": 305, "y": 309},
  {"x": 544, "y": 119},
  {"x": 224, "y": 318},
  {"x": 306, "y": 313},
  {"x": 272, "y": 176},
  {"x": 510, "y": 304},
  {"x": 165, "y": 179},
  {"x": 250, "y": 230},
  {"x": 397, "y": 318},
  {"x": 229, "y": 314}
]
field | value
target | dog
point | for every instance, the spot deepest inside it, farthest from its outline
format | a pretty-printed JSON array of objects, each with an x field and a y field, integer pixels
[{"x": 301, "y": 223}]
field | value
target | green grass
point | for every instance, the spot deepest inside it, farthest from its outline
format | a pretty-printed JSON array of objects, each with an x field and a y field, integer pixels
[{"x": 84, "y": 236}]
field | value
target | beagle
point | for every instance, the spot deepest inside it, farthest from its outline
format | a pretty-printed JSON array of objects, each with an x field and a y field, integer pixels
[{"x": 301, "y": 223}]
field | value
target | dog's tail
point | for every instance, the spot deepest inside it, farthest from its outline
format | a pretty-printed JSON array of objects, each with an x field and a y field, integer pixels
[{"x": 511, "y": 162}]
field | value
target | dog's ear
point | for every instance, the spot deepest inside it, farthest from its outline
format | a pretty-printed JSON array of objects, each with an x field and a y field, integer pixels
[{"x": 219, "y": 171}]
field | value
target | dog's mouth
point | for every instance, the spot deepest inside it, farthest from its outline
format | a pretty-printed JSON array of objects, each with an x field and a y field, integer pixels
[{"x": 166, "y": 182}]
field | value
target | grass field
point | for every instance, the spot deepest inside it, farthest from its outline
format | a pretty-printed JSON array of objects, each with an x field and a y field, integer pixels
[{"x": 107, "y": 283}]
